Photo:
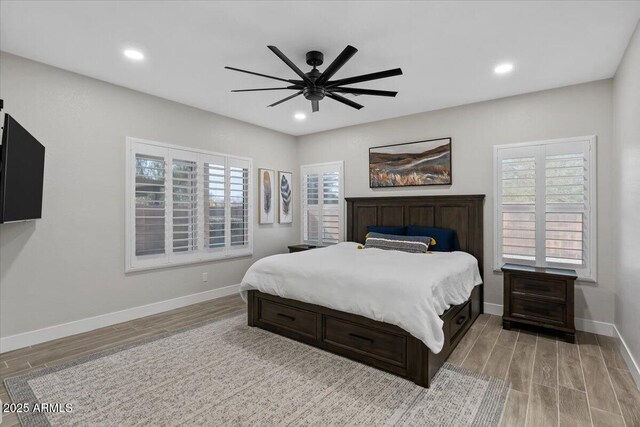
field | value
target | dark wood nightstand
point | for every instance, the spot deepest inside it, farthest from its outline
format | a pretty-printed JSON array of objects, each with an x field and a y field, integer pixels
[
  {"x": 300, "y": 248},
  {"x": 539, "y": 296}
]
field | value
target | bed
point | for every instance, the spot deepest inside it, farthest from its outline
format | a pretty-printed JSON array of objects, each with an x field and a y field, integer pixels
[{"x": 391, "y": 330}]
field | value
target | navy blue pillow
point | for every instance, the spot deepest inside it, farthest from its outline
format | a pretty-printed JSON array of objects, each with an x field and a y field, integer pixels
[
  {"x": 446, "y": 238},
  {"x": 398, "y": 231}
]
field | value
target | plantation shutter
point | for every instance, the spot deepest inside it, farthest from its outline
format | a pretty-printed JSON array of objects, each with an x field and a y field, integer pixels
[
  {"x": 518, "y": 205},
  {"x": 544, "y": 204},
  {"x": 331, "y": 207},
  {"x": 185, "y": 206},
  {"x": 149, "y": 184},
  {"x": 215, "y": 203},
  {"x": 150, "y": 204},
  {"x": 311, "y": 207},
  {"x": 239, "y": 225},
  {"x": 322, "y": 203},
  {"x": 567, "y": 206}
]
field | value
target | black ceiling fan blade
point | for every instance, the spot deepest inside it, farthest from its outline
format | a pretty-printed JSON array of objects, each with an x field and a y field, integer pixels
[
  {"x": 291, "y": 65},
  {"x": 315, "y": 106},
  {"x": 344, "y": 100},
  {"x": 337, "y": 63},
  {"x": 357, "y": 91},
  {"x": 268, "y": 88},
  {"x": 365, "y": 78},
  {"x": 258, "y": 74},
  {"x": 285, "y": 99}
]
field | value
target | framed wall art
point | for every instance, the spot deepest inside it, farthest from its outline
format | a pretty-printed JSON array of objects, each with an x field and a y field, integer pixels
[
  {"x": 267, "y": 195},
  {"x": 411, "y": 164},
  {"x": 285, "y": 195}
]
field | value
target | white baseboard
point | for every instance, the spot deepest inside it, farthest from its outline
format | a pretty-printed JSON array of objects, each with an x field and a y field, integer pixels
[
  {"x": 495, "y": 309},
  {"x": 628, "y": 357},
  {"x": 595, "y": 327},
  {"x": 586, "y": 325},
  {"x": 26, "y": 339}
]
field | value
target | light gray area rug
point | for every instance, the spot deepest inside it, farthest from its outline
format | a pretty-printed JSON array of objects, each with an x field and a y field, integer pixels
[{"x": 225, "y": 373}]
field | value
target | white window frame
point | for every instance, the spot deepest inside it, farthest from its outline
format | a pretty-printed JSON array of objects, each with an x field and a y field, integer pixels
[
  {"x": 587, "y": 273},
  {"x": 320, "y": 168},
  {"x": 203, "y": 253}
]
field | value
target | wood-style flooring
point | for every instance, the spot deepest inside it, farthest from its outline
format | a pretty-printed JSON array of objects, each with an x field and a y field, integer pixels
[
  {"x": 553, "y": 383},
  {"x": 53, "y": 352}
]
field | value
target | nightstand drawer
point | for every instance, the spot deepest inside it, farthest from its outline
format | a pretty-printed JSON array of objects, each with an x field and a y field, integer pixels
[
  {"x": 543, "y": 311},
  {"x": 539, "y": 296},
  {"x": 551, "y": 289}
]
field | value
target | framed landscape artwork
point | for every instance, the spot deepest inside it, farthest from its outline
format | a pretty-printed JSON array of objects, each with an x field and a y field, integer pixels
[
  {"x": 285, "y": 212},
  {"x": 411, "y": 164},
  {"x": 267, "y": 194}
]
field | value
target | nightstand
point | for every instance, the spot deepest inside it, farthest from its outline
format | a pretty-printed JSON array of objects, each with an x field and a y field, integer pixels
[
  {"x": 300, "y": 248},
  {"x": 539, "y": 296}
]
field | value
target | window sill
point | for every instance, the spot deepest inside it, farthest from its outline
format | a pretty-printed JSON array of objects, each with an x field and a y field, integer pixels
[{"x": 236, "y": 254}]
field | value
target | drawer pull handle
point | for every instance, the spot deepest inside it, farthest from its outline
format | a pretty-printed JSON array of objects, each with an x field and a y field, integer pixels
[
  {"x": 461, "y": 320},
  {"x": 286, "y": 316},
  {"x": 361, "y": 338}
]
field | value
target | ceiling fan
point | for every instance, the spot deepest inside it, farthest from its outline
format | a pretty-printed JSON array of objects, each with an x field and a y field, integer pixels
[{"x": 316, "y": 85}]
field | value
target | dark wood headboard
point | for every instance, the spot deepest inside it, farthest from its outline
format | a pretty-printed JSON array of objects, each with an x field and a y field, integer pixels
[{"x": 462, "y": 213}]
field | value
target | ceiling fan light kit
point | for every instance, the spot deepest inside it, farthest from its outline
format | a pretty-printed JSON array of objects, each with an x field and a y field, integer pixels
[{"x": 315, "y": 85}]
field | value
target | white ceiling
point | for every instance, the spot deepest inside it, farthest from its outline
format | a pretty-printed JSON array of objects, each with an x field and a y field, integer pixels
[{"x": 447, "y": 50}]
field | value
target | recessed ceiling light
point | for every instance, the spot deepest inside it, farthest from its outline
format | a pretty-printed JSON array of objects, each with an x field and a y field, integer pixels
[
  {"x": 136, "y": 55},
  {"x": 503, "y": 68},
  {"x": 300, "y": 116}
]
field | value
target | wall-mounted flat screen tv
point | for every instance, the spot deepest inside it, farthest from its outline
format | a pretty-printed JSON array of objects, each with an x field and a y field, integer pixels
[{"x": 21, "y": 173}]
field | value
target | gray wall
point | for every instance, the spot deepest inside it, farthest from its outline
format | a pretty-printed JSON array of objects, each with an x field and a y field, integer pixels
[
  {"x": 626, "y": 206},
  {"x": 70, "y": 264},
  {"x": 579, "y": 110}
]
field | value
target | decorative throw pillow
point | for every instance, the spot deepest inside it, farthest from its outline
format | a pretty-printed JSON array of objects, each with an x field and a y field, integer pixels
[
  {"x": 446, "y": 238},
  {"x": 425, "y": 239},
  {"x": 411, "y": 244}
]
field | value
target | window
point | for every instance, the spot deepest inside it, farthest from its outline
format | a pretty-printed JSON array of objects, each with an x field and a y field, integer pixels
[
  {"x": 185, "y": 205},
  {"x": 545, "y": 204},
  {"x": 322, "y": 203}
]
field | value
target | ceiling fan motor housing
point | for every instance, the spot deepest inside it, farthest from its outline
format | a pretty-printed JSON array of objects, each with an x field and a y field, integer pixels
[
  {"x": 315, "y": 58},
  {"x": 314, "y": 93}
]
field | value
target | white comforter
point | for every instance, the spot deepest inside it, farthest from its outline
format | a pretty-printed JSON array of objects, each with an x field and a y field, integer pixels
[{"x": 404, "y": 289}]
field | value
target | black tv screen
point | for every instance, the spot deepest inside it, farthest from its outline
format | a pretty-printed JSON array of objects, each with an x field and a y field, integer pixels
[{"x": 21, "y": 173}]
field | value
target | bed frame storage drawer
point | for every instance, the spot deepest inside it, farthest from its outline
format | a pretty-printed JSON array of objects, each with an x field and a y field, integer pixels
[
  {"x": 374, "y": 343},
  {"x": 291, "y": 318},
  {"x": 382, "y": 345},
  {"x": 461, "y": 318}
]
